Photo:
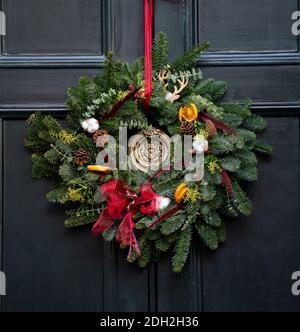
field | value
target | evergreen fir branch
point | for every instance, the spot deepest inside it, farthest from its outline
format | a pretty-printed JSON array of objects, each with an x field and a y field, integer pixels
[
  {"x": 162, "y": 244},
  {"x": 172, "y": 224},
  {"x": 209, "y": 216},
  {"x": 247, "y": 157},
  {"x": 191, "y": 214},
  {"x": 42, "y": 168},
  {"x": 209, "y": 235},
  {"x": 145, "y": 248},
  {"x": 160, "y": 52},
  {"x": 205, "y": 104},
  {"x": 182, "y": 249},
  {"x": 111, "y": 71},
  {"x": 74, "y": 222},
  {"x": 228, "y": 209},
  {"x": 52, "y": 156},
  {"x": 263, "y": 147},
  {"x": 126, "y": 114},
  {"x": 242, "y": 108},
  {"x": 247, "y": 172},
  {"x": 63, "y": 151},
  {"x": 98, "y": 198},
  {"x": 189, "y": 59},
  {"x": 248, "y": 136},
  {"x": 208, "y": 192},
  {"x": 255, "y": 123},
  {"x": 211, "y": 89},
  {"x": 231, "y": 164},
  {"x": 130, "y": 76},
  {"x": 222, "y": 234},
  {"x": 217, "y": 201},
  {"x": 242, "y": 201},
  {"x": 232, "y": 120},
  {"x": 67, "y": 171},
  {"x": 39, "y": 132},
  {"x": 84, "y": 211},
  {"x": 220, "y": 145},
  {"x": 58, "y": 195}
]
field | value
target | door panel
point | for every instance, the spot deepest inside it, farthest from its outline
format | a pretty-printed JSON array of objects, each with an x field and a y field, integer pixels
[
  {"x": 251, "y": 26},
  {"x": 53, "y": 27},
  {"x": 179, "y": 293},
  {"x": 35, "y": 87},
  {"x": 272, "y": 84},
  {"x": 252, "y": 271},
  {"x": 50, "y": 268}
]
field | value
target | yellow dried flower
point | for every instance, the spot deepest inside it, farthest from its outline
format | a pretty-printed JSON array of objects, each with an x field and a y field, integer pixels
[
  {"x": 75, "y": 195},
  {"x": 64, "y": 136},
  {"x": 193, "y": 195},
  {"x": 121, "y": 95},
  {"x": 214, "y": 165}
]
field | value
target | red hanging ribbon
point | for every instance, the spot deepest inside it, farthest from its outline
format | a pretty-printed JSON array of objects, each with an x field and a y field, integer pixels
[{"x": 148, "y": 29}]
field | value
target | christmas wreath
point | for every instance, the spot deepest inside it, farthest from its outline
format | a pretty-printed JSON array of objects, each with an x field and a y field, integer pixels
[{"x": 150, "y": 209}]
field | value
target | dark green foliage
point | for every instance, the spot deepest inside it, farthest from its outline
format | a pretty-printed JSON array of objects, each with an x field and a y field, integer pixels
[
  {"x": 222, "y": 235},
  {"x": 40, "y": 127},
  {"x": 209, "y": 235},
  {"x": 111, "y": 73},
  {"x": 79, "y": 98},
  {"x": 182, "y": 249},
  {"x": 41, "y": 167},
  {"x": 146, "y": 250},
  {"x": 211, "y": 89},
  {"x": 255, "y": 123},
  {"x": 58, "y": 195},
  {"x": 123, "y": 118},
  {"x": 172, "y": 224},
  {"x": 74, "y": 221},
  {"x": 160, "y": 52},
  {"x": 231, "y": 164},
  {"x": 189, "y": 59},
  {"x": 242, "y": 201},
  {"x": 262, "y": 147}
]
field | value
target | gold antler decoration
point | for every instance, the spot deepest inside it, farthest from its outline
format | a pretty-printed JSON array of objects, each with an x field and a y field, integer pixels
[
  {"x": 183, "y": 82},
  {"x": 162, "y": 77}
]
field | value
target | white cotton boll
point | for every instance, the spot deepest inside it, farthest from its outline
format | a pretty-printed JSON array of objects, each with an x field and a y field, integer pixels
[
  {"x": 89, "y": 130},
  {"x": 90, "y": 125},
  {"x": 95, "y": 126},
  {"x": 93, "y": 121},
  {"x": 164, "y": 202},
  {"x": 200, "y": 144},
  {"x": 85, "y": 125},
  {"x": 168, "y": 96}
]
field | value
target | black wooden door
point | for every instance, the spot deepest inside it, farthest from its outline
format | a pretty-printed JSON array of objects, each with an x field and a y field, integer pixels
[{"x": 48, "y": 45}]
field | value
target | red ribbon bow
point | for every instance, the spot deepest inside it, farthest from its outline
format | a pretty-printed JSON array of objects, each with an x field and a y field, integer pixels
[{"x": 122, "y": 204}]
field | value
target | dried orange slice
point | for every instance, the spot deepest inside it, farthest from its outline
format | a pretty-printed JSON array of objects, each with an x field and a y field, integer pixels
[
  {"x": 98, "y": 169},
  {"x": 180, "y": 192},
  {"x": 188, "y": 113}
]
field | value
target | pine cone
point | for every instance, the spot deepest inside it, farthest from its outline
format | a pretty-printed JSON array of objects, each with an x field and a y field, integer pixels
[
  {"x": 81, "y": 157},
  {"x": 210, "y": 128},
  {"x": 187, "y": 128},
  {"x": 99, "y": 133}
]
